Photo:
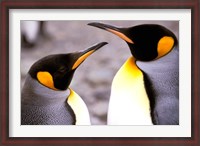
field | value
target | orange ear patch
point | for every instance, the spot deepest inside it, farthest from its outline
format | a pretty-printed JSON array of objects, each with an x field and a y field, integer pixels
[
  {"x": 46, "y": 79},
  {"x": 165, "y": 45}
]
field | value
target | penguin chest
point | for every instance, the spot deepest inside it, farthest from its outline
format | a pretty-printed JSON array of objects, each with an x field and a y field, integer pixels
[
  {"x": 79, "y": 108},
  {"x": 129, "y": 104}
]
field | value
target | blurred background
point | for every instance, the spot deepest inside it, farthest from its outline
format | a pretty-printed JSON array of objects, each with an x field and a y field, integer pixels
[{"x": 92, "y": 80}]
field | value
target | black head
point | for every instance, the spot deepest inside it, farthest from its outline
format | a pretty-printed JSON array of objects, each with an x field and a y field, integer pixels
[
  {"x": 56, "y": 71},
  {"x": 146, "y": 42}
]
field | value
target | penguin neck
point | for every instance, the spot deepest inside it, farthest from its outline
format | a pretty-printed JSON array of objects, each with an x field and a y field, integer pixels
[
  {"x": 164, "y": 64},
  {"x": 34, "y": 92},
  {"x": 129, "y": 71}
]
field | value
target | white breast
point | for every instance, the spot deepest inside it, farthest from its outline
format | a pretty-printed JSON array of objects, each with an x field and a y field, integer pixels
[
  {"x": 80, "y": 109},
  {"x": 129, "y": 104}
]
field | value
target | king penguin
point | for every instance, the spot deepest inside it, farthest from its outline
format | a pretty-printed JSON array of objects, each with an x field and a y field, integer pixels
[
  {"x": 46, "y": 98},
  {"x": 145, "y": 90}
]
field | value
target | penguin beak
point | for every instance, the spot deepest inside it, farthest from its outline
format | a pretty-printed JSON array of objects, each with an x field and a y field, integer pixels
[
  {"x": 117, "y": 31},
  {"x": 86, "y": 53}
]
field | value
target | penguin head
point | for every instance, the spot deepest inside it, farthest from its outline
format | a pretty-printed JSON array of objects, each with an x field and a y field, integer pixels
[
  {"x": 56, "y": 71},
  {"x": 146, "y": 42}
]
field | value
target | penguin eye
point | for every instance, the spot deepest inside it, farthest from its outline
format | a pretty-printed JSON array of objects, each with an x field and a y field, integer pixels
[{"x": 62, "y": 69}]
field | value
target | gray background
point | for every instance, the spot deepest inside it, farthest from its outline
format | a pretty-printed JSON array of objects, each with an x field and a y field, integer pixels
[{"x": 92, "y": 80}]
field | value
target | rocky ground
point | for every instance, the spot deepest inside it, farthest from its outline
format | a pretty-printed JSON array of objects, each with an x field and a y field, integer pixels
[{"x": 92, "y": 80}]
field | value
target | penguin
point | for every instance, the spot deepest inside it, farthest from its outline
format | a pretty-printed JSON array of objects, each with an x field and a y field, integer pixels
[
  {"x": 46, "y": 97},
  {"x": 145, "y": 90}
]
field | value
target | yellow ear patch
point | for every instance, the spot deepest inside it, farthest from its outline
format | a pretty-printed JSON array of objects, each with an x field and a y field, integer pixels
[
  {"x": 46, "y": 79},
  {"x": 81, "y": 59},
  {"x": 165, "y": 45},
  {"x": 121, "y": 35}
]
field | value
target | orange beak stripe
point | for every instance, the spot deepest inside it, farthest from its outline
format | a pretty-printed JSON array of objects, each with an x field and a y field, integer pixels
[{"x": 121, "y": 35}]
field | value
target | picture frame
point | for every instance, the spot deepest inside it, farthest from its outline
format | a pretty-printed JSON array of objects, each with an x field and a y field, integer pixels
[{"x": 6, "y": 6}]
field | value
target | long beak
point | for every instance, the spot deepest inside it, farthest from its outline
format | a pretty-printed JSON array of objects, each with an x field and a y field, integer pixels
[
  {"x": 115, "y": 30},
  {"x": 86, "y": 53}
]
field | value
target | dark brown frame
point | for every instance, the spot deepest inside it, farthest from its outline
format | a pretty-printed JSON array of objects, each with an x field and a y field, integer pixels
[{"x": 101, "y": 4}]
